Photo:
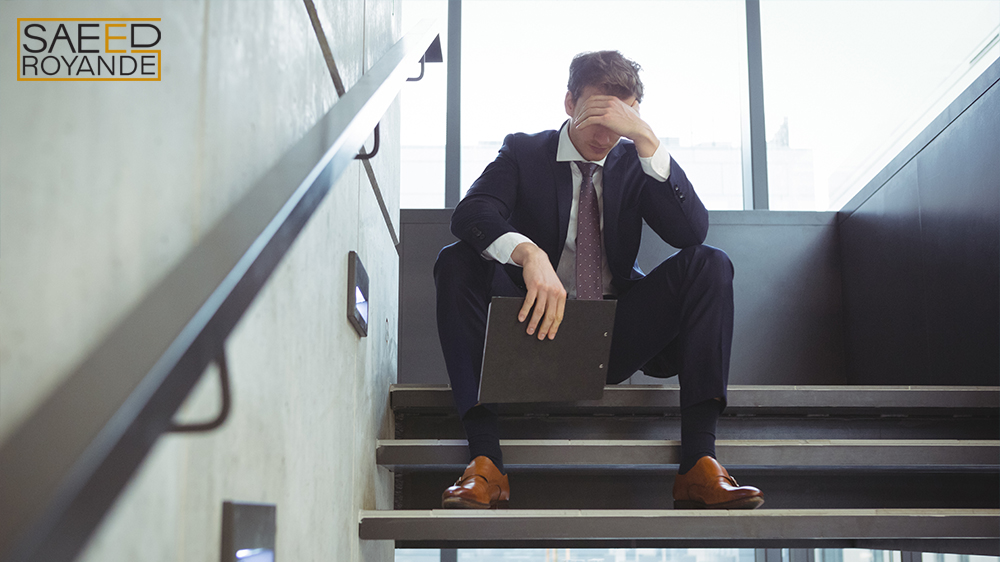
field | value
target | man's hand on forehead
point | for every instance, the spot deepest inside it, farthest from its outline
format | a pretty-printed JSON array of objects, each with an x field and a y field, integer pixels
[
  {"x": 608, "y": 111},
  {"x": 619, "y": 117}
]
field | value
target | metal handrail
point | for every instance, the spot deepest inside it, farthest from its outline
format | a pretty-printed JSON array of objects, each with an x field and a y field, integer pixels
[{"x": 62, "y": 469}]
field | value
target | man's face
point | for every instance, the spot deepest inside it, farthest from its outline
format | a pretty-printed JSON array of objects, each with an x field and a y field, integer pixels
[{"x": 595, "y": 141}]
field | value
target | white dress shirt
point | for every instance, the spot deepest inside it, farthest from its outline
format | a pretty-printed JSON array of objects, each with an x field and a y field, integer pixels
[{"x": 656, "y": 166}]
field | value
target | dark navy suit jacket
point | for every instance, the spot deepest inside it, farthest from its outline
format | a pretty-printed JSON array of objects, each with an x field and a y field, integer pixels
[{"x": 526, "y": 190}]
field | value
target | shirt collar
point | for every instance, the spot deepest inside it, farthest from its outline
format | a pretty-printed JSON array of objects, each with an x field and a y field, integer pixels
[{"x": 566, "y": 152}]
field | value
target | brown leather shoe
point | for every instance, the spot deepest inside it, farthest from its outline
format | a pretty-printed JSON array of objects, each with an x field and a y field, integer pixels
[
  {"x": 709, "y": 486},
  {"x": 481, "y": 487}
]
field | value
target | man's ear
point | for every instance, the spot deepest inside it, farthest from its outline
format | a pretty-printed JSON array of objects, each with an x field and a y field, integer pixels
[{"x": 570, "y": 104}]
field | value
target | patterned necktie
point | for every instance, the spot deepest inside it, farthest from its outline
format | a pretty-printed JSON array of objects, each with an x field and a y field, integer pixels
[{"x": 589, "y": 281}]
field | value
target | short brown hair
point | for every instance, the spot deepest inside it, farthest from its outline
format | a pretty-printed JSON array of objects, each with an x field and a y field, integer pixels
[{"x": 609, "y": 71}]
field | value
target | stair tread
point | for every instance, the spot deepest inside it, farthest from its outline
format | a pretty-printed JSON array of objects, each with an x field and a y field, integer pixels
[
  {"x": 422, "y": 454},
  {"x": 763, "y": 524},
  {"x": 741, "y": 399},
  {"x": 727, "y": 443}
]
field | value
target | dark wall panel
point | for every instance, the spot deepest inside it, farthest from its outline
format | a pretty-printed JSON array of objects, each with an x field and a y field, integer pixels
[
  {"x": 921, "y": 255},
  {"x": 422, "y": 234},
  {"x": 882, "y": 284},
  {"x": 789, "y": 324},
  {"x": 959, "y": 182}
]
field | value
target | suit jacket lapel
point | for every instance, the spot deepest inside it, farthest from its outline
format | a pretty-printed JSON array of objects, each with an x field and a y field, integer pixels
[{"x": 612, "y": 196}]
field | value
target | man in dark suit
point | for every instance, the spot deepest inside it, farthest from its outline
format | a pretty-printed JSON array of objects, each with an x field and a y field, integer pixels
[{"x": 559, "y": 214}]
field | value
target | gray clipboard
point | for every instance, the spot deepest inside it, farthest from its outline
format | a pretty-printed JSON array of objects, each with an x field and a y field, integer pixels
[{"x": 519, "y": 368}]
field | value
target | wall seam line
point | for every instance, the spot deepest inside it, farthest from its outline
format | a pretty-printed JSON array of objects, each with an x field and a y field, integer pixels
[
  {"x": 338, "y": 85},
  {"x": 849, "y": 214}
]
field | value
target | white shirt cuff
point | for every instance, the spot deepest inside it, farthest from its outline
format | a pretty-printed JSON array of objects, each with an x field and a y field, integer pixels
[
  {"x": 657, "y": 166},
  {"x": 501, "y": 248}
]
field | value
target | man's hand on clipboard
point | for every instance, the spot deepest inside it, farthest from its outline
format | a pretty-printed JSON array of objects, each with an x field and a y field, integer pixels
[{"x": 545, "y": 291}]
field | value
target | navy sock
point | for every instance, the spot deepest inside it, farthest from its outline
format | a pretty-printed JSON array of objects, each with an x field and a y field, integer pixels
[
  {"x": 698, "y": 423},
  {"x": 482, "y": 427}
]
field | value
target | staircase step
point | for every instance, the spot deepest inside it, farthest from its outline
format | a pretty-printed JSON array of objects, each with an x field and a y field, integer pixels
[
  {"x": 742, "y": 400},
  {"x": 668, "y": 426},
  {"x": 943, "y": 530},
  {"x": 403, "y": 455},
  {"x": 651, "y": 488}
]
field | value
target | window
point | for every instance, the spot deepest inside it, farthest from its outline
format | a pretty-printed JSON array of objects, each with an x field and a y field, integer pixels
[
  {"x": 515, "y": 64},
  {"x": 848, "y": 84},
  {"x": 422, "y": 121}
]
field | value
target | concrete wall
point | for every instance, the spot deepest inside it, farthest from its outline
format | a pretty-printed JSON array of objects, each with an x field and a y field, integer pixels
[
  {"x": 921, "y": 253},
  {"x": 789, "y": 325},
  {"x": 105, "y": 185}
]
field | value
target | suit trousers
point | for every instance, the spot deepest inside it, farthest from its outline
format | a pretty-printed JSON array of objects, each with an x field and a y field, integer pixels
[{"x": 677, "y": 320}]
